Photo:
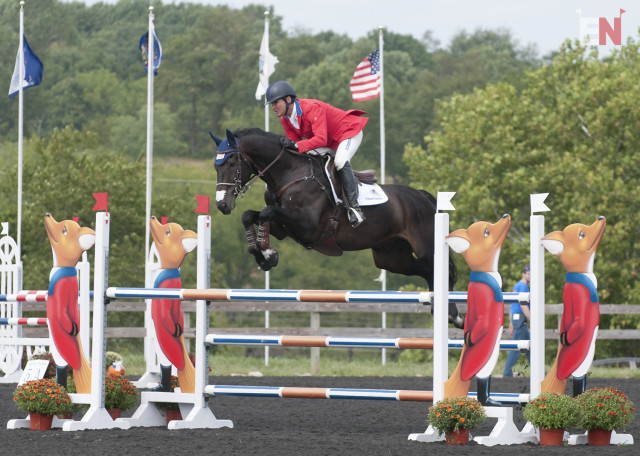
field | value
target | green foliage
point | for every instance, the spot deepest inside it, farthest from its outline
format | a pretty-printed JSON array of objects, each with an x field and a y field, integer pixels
[
  {"x": 604, "y": 408},
  {"x": 570, "y": 131},
  {"x": 551, "y": 411},
  {"x": 456, "y": 413}
]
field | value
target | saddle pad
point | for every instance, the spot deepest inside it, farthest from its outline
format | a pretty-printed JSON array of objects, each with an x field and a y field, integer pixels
[{"x": 371, "y": 194}]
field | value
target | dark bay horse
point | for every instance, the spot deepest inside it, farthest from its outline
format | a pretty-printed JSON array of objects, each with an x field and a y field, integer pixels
[{"x": 300, "y": 205}]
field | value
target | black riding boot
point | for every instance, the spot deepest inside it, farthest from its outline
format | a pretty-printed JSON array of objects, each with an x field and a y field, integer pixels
[
  {"x": 350, "y": 188},
  {"x": 484, "y": 392},
  {"x": 579, "y": 385},
  {"x": 165, "y": 380},
  {"x": 61, "y": 375}
]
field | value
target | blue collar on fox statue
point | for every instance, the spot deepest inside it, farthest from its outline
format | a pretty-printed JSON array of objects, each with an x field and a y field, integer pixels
[{"x": 225, "y": 151}]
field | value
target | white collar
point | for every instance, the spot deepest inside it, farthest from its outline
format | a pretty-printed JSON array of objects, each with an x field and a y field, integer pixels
[{"x": 295, "y": 112}]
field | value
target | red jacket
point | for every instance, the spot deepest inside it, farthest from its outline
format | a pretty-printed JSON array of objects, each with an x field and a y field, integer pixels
[
  {"x": 322, "y": 125},
  {"x": 64, "y": 316},
  {"x": 580, "y": 317},
  {"x": 484, "y": 316},
  {"x": 166, "y": 314}
]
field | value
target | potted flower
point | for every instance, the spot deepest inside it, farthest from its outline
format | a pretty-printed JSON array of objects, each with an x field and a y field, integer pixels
[
  {"x": 119, "y": 394},
  {"x": 171, "y": 409},
  {"x": 601, "y": 410},
  {"x": 551, "y": 413},
  {"x": 42, "y": 398},
  {"x": 111, "y": 357},
  {"x": 455, "y": 416}
]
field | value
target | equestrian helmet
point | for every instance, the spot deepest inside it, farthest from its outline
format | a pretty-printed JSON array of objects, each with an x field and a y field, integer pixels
[{"x": 277, "y": 90}]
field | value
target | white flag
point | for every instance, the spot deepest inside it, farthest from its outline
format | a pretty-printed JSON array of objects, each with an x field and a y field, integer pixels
[{"x": 267, "y": 64}]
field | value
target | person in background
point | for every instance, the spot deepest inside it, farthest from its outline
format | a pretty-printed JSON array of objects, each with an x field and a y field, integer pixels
[
  {"x": 518, "y": 316},
  {"x": 312, "y": 124}
]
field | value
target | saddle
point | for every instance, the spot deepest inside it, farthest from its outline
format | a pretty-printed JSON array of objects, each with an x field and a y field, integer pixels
[{"x": 367, "y": 176}]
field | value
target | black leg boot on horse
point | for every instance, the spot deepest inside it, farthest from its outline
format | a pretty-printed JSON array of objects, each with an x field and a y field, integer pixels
[{"x": 350, "y": 189}]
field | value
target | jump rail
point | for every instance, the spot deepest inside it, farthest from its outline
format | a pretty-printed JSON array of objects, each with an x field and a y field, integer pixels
[
  {"x": 351, "y": 342},
  {"x": 221, "y": 294}
]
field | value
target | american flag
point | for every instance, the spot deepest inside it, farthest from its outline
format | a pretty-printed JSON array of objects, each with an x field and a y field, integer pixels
[{"x": 365, "y": 84}]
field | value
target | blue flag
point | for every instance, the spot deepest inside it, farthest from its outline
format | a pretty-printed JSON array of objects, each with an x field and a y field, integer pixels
[
  {"x": 32, "y": 70},
  {"x": 157, "y": 51}
]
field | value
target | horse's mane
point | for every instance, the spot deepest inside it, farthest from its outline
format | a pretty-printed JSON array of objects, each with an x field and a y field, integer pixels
[{"x": 253, "y": 131}]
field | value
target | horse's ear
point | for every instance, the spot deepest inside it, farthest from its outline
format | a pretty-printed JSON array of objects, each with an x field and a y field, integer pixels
[
  {"x": 216, "y": 139},
  {"x": 231, "y": 139}
]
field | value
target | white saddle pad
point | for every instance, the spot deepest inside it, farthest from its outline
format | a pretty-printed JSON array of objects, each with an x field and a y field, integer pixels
[
  {"x": 371, "y": 194},
  {"x": 368, "y": 194}
]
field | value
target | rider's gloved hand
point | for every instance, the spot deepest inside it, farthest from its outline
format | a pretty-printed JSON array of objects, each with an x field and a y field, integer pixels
[{"x": 287, "y": 143}]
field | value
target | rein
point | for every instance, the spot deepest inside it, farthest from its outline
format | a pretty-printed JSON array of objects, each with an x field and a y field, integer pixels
[{"x": 238, "y": 188}]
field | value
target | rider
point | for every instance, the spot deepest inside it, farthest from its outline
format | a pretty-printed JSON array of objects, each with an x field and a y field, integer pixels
[{"x": 312, "y": 124}]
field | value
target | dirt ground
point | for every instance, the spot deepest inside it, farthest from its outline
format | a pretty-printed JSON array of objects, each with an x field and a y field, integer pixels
[{"x": 264, "y": 426}]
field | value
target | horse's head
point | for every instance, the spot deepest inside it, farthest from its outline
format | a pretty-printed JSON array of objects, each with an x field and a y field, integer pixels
[{"x": 233, "y": 172}]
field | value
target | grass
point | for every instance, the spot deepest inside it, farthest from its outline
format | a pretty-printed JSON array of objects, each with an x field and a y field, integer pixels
[{"x": 339, "y": 363}]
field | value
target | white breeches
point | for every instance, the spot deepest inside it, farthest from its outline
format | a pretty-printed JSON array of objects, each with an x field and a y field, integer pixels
[{"x": 346, "y": 150}]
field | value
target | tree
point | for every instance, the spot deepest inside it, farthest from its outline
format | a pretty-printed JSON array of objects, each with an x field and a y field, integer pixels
[{"x": 572, "y": 132}]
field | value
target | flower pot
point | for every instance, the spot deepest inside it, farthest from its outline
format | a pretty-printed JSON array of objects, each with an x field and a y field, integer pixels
[
  {"x": 600, "y": 437},
  {"x": 460, "y": 437},
  {"x": 551, "y": 437},
  {"x": 39, "y": 422},
  {"x": 65, "y": 416},
  {"x": 173, "y": 415},
  {"x": 115, "y": 413}
]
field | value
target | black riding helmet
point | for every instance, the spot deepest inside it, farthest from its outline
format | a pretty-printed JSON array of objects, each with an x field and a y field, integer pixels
[{"x": 277, "y": 90}]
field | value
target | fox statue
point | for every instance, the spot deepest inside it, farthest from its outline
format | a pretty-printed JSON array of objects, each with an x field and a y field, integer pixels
[
  {"x": 576, "y": 247},
  {"x": 480, "y": 246},
  {"x": 173, "y": 244},
  {"x": 68, "y": 242}
]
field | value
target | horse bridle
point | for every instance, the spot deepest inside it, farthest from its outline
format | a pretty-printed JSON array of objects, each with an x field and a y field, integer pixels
[{"x": 239, "y": 189}]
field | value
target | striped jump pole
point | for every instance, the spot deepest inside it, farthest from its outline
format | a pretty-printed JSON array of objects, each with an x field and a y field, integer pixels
[
  {"x": 24, "y": 321},
  {"x": 319, "y": 393},
  {"x": 30, "y": 296},
  {"x": 221, "y": 294},
  {"x": 347, "y": 342},
  {"x": 25, "y": 296}
]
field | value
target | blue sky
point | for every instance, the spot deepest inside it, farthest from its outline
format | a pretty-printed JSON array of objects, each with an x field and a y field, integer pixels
[{"x": 545, "y": 23}]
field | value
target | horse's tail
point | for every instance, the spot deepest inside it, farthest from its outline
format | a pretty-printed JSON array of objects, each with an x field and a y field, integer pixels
[{"x": 453, "y": 268}]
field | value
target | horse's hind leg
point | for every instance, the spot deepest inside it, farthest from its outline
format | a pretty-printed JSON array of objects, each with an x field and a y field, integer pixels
[
  {"x": 398, "y": 257},
  {"x": 265, "y": 256}
]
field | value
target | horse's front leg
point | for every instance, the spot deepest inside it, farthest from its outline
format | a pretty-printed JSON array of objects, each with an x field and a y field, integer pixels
[{"x": 266, "y": 257}]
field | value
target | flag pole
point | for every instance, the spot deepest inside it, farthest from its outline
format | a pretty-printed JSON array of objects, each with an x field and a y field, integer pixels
[
  {"x": 150, "y": 59},
  {"x": 20, "y": 133},
  {"x": 267, "y": 275},
  {"x": 383, "y": 275},
  {"x": 266, "y": 106}
]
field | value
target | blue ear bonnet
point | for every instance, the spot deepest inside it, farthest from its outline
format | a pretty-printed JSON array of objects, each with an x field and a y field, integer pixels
[
  {"x": 224, "y": 151},
  {"x": 226, "y": 147}
]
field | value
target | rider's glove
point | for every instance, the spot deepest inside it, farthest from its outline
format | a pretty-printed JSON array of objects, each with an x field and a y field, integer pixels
[{"x": 288, "y": 144}]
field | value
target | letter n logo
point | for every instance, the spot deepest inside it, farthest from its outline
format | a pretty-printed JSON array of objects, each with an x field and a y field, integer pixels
[{"x": 614, "y": 33}]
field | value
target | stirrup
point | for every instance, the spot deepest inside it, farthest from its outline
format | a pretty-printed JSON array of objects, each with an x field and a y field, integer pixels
[{"x": 356, "y": 217}]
